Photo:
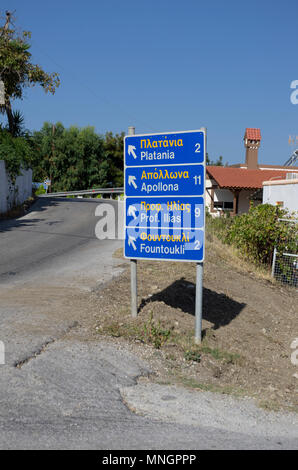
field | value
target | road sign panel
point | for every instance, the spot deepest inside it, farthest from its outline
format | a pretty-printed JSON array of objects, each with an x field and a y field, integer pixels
[
  {"x": 165, "y": 180},
  {"x": 164, "y": 189},
  {"x": 167, "y": 212},
  {"x": 171, "y": 148},
  {"x": 170, "y": 244}
]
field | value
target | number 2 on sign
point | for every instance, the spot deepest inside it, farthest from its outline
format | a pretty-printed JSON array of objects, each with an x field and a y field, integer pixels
[
  {"x": 198, "y": 148},
  {"x": 197, "y": 179}
]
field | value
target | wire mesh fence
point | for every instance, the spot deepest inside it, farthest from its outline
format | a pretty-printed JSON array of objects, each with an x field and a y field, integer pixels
[
  {"x": 285, "y": 268},
  {"x": 285, "y": 265}
]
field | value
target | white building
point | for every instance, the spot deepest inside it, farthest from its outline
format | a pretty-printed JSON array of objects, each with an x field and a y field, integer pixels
[{"x": 282, "y": 193}]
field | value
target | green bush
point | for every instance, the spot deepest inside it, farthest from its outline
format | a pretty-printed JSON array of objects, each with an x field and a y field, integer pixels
[
  {"x": 40, "y": 190},
  {"x": 260, "y": 230},
  {"x": 16, "y": 152},
  {"x": 218, "y": 226}
]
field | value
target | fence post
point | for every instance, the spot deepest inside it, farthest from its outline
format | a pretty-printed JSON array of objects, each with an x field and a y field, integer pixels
[{"x": 273, "y": 262}]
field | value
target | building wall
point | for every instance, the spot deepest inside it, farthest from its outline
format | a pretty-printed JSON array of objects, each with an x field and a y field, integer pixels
[
  {"x": 219, "y": 195},
  {"x": 227, "y": 196},
  {"x": 243, "y": 203},
  {"x": 223, "y": 195},
  {"x": 282, "y": 193},
  {"x": 11, "y": 195},
  {"x": 207, "y": 193}
]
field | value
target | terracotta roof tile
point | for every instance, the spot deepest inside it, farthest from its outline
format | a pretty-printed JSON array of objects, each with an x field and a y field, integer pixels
[
  {"x": 239, "y": 178},
  {"x": 252, "y": 134}
]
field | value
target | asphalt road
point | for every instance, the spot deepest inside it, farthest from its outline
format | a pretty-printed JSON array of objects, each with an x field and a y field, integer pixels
[
  {"x": 52, "y": 229},
  {"x": 58, "y": 391}
]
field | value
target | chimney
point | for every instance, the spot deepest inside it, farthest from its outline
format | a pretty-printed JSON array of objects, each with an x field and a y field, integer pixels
[{"x": 252, "y": 140}]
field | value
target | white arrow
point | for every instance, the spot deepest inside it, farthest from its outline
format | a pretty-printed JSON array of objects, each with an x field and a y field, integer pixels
[
  {"x": 131, "y": 181},
  {"x": 131, "y": 241},
  {"x": 132, "y": 211},
  {"x": 131, "y": 151}
]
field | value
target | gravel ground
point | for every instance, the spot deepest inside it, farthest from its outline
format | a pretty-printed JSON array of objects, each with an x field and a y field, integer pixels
[{"x": 188, "y": 407}]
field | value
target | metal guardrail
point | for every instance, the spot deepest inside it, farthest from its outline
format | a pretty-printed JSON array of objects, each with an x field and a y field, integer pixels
[{"x": 85, "y": 191}]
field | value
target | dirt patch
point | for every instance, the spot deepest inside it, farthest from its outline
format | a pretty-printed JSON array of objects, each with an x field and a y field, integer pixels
[{"x": 249, "y": 324}]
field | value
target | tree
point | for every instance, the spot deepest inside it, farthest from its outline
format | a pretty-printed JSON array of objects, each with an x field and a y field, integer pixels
[
  {"x": 218, "y": 162},
  {"x": 16, "y": 152},
  {"x": 77, "y": 158},
  {"x": 72, "y": 158},
  {"x": 16, "y": 70},
  {"x": 113, "y": 147}
]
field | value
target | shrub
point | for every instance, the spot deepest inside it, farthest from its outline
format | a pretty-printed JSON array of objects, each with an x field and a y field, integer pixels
[
  {"x": 16, "y": 152},
  {"x": 40, "y": 190},
  {"x": 219, "y": 226},
  {"x": 259, "y": 231}
]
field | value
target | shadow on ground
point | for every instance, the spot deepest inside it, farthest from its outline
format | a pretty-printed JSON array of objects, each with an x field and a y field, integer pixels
[
  {"x": 218, "y": 309},
  {"x": 43, "y": 204},
  {"x": 38, "y": 206}
]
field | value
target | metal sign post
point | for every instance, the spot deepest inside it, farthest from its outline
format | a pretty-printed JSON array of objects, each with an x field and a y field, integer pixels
[
  {"x": 165, "y": 202},
  {"x": 199, "y": 281},
  {"x": 199, "y": 303},
  {"x": 133, "y": 268}
]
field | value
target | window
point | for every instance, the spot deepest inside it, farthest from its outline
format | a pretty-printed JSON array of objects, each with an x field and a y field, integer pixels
[{"x": 223, "y": 205}]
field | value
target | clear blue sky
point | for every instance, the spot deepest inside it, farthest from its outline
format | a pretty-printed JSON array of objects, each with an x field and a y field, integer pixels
[{"x": 168, "y": 65}]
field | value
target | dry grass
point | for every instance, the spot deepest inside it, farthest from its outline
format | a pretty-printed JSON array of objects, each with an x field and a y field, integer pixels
[{"x": 235, "y": 258}]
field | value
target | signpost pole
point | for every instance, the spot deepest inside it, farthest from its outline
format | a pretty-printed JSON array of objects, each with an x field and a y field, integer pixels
[
  {"x": 199, "y": 303},
  {"x": 199, "y": 284},
  {"x": 133, "y": 268}
]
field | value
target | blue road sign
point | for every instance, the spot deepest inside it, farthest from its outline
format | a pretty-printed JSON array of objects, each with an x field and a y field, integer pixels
[
  {"x": 166, "y": 180},
  {"x": 164, "y": 196},
  {"x": 162, "y": 149},
  {"x": 165, "y": 213},
  {"x": 175, "y": 244}
]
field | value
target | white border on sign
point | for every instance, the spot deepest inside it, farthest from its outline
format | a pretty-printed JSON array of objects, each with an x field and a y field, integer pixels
[
  {"x": 164, "y": 164},
  {"x": 165, "y": 133}
]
